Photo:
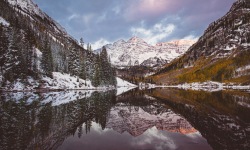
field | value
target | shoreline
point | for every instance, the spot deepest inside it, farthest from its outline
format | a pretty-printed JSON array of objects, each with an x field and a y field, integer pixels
[
  {"x": 57, "y": 90},
  {"x": 206, "y": 86},
  {"x": 60, "y": 90}
]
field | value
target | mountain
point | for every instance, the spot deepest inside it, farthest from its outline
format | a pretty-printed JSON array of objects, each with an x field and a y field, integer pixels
[
  {"x": 33, "y": 46},
  {"x": 136, "y": 51},
  {"x": 221, "y": 53},
  {"x": 29, "y": 8}
]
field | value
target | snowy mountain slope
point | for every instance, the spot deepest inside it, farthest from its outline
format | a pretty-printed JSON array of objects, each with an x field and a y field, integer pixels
[
  {"x": 136, "y": 51},
  {"x": 29, "y": 8}
]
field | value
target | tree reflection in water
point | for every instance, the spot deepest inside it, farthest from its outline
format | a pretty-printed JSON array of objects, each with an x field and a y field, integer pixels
[{"x": 171, "y": 118}]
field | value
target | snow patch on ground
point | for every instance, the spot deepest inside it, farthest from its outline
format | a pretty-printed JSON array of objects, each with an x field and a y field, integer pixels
[
  {"x": 60, "y": 81},
  {"x": 123, "y": 83},
  {"x": 228, "y": 48},
  {"x": 63, "y": 81},
  {"x": 66, "y": 81},
  {"x": 4, "y": 22},
  {"x": 242, "y": 71},
  {"x": 243, "y": 68},
  {"x": 149, "y": 74},
  {"x": 123, "y": 86}
]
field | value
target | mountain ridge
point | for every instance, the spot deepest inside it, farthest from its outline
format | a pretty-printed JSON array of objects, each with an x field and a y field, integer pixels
[
  {"x": 219, "y": 52},
  {"x": 136, "y": 51}
]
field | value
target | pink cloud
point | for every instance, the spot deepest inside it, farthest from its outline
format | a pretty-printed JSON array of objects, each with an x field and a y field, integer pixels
[{"x": 141, "y": 9}]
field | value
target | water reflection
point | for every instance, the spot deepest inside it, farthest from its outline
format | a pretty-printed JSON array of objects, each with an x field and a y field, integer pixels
[
  {"x": 153, "y": 119},
  {"x": 136, "y": 120},
  {"x": 222, "y": 117},
  {"x": 37, "y": 121}
]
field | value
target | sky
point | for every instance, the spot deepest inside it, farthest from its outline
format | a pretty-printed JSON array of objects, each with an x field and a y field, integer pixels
[{"x": 101, "y": 22}]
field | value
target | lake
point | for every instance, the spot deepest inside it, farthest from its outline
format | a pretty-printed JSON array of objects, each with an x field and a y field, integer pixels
[{"x": 156, "y": 119}]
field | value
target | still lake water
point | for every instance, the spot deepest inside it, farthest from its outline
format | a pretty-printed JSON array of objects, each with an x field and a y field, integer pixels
[{"x": 158, "y": 119}]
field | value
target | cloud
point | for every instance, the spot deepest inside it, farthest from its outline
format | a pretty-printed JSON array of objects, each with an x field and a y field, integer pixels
[
  {"x": 141, "y": 9},
  {"x": 73, "y": 16},
  {"x": 88, "y": 18},
  {"x": 152, "y": 136},
  {"x": 98, "y": 44},
  {"x": 116, "y": 10},
  {"x": 154, "y": 34},
  {"x": 116, "y": 19},
  {"x": 191, "y": 37}
]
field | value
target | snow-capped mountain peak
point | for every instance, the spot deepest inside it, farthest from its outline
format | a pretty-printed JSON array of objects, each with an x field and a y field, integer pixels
[
  {"x": 119, "y": 42},
  {"x": 136, "y": 39},
  {"x": 136, "y": 51}
]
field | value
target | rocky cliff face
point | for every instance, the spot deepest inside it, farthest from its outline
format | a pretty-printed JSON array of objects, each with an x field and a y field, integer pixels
[
  {"x": 226, "y": 35},
  {"x": 30, "y": 9},
  {"x": 219, "y": 52},
  {"x": 136, "y": 51}
]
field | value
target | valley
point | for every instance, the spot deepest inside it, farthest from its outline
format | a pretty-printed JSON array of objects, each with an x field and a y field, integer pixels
[
  {"x": 136, "y": 74},
  {"x": 220, "y": 55}
]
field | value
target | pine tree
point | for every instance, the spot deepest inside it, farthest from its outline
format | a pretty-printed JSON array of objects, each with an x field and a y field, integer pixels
[
  {"x": 81, "y": 42},
  {"x": 74, "y": 60},
  {"x": 47, "y": 60},
  {"x": 107, "y": 74},
  {"x": 90, "y": 48},
  {"x": 83, "y": 74},
  {"x": 104, "y": 66},
  {"x": 29, "y": 55},
  {"x": 4, "y": 42},
  {"x": 96, "y": 79},
  {"x": 14, "y": 61}
]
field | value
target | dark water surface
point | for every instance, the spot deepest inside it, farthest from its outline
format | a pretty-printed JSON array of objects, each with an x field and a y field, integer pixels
[{"x": 159, "y": 119}]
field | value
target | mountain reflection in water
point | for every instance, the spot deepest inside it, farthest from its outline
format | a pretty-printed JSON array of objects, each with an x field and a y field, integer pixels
[{"x": 153, "y": 119}]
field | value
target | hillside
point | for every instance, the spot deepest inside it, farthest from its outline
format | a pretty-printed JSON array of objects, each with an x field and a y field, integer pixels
[
  {"x": 136, "y": 52},
  {"x": 34, "y": 46},
  {"x": 221, "y": 53}
]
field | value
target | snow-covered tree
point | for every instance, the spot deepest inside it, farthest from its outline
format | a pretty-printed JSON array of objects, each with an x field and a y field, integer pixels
[{"x": 81, "y": 42}]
